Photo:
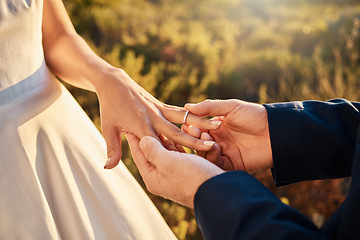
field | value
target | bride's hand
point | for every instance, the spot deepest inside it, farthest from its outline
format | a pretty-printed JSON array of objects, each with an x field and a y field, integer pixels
[{"x": 125, "y": 107}]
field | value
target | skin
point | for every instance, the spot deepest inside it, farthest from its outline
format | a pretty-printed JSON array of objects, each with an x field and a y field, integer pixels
[
  {"x": 169, "y": 173},
  {"x": 243, "y": 136},
  {"x": 215, "y": 154},
  {"x": 242, "y": 143},
  {"x": 125, "y": 107}
]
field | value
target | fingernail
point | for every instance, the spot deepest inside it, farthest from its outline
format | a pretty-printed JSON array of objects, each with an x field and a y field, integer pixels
[
  {"x": 143, "y": 142},
  {"x": 209, "y": 143},
  {"x": 222, "y": 118},
  {"x": 205, "y": 136},
  {"x": 185, "y": 127},
  {"x": 107, "y": 163},
  {"x": 216, "y": 123}
]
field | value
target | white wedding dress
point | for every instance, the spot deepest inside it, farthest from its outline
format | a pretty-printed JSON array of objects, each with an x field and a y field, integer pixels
[{"x": 52, "y": 181}]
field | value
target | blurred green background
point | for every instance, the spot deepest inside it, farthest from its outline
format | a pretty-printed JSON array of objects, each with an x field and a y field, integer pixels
[{"x": 256, "y": 50}]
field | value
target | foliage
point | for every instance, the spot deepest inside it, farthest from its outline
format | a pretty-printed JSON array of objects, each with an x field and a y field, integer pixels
[{"x": 262, "y": 51}]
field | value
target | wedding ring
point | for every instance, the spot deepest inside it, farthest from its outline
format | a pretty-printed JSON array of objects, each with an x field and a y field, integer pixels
[{"x": 185, "y": 117}]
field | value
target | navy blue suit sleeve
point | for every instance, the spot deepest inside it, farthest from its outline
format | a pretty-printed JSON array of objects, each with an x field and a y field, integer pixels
[
  {"x": 235, "y": 205},
  {"x": 312, "y": 139},
  {"x": 344, "y": 223}
]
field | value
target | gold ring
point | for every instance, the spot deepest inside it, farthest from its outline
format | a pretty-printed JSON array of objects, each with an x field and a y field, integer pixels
[{"x": 185, "y": 117}]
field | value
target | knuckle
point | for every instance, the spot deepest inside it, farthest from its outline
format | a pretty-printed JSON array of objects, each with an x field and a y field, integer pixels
[
  {"x": 177, "y": 132},
  {"x": 196, "y": 142},
  {"x": 234, "y": 101},
  {"x": 110, "y": 150},
  {"x": 182, "y": 111}
]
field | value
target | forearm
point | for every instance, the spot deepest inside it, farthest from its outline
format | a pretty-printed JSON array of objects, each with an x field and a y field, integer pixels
[
  {"x": 72, "y": 60},
  {"x": 67, "y": 55}
]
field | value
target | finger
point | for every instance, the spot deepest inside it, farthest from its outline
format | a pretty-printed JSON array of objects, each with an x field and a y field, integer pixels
[
  {"x": 213, "y": 107},
  {"x": 153, "y": 150},
  {"x": 206, "y": 137},
  {"x": 221, "y": 118},
  {"x": 142, "y": 164},
  {"x": 201, "y": 153},
  {"x": 226, "y": 163},
  {"x": 178, "y": 136},
  {"x": 192, "y": 130},
  {"x": 180, "y": 115},
  {"x": 169, "y": 145},
  {"x": 214, "y": 154},
  {"x": 115, "y": 160},
  {"x": 185, "y": 128},
  {"x": 146, "y": 130},
  {"x": 180, "y": 148},
  {"x": 113, "y": 144},
  {"x": 202, "y": 123}
]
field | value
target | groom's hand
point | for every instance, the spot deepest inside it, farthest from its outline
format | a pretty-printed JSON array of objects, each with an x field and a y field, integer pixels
[
  {"x": 243, "y": 134},
  {"x": 215, "y": 154},
  {"x": 171, "y": 174}
]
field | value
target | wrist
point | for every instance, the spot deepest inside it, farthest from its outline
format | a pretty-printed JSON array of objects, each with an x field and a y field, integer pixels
[
  {"x": 268, "y": 158},
  {"x": 110, "y": 78}
]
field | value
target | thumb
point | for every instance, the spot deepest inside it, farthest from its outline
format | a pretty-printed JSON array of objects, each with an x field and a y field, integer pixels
[
  {"x": 152, "y": 149},
  {"x": 212, "y": 107},
  {"x": 113, "y": 145}
]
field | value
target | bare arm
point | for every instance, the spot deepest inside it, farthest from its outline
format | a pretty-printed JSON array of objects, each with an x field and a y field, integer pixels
[
  {"x": 124, "y": 105},
  {"x": 66, "y": 53}
]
